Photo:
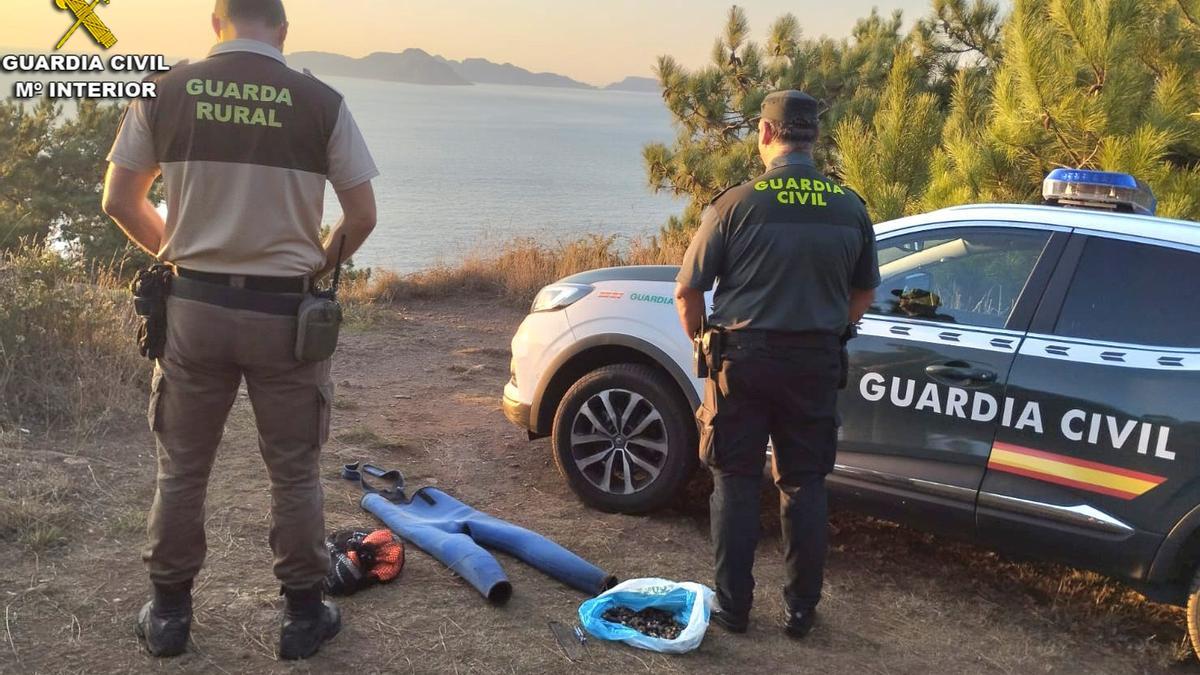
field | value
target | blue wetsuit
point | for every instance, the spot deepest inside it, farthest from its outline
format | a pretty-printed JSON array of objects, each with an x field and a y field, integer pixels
[{"x": 455, "y": 534}]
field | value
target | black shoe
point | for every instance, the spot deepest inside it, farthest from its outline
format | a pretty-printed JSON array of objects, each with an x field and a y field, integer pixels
[
  {"x": 726, "y": 620},
  {"x": 166, "y": 621},
  {"x": 308, "y": 623},
  {"x": 798, "y": 624}
]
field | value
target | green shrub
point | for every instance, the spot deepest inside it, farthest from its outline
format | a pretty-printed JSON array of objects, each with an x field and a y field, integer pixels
[{"x": 67, "y": 358}]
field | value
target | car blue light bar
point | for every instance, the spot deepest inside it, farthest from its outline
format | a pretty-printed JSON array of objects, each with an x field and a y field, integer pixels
[{"x": 1098, "y": 190}]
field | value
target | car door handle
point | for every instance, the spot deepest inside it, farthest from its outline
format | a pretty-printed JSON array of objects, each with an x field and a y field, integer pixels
[{"x": 960, "y": 373}]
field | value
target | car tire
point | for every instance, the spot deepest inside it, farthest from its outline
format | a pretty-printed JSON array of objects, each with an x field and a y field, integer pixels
[
  {"x": 651, "y": 447},
  {"x": 1193, "y": 613}
]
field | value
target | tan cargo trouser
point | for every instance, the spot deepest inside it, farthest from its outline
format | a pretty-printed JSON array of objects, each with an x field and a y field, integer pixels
[{"x": 209, "y": 349}]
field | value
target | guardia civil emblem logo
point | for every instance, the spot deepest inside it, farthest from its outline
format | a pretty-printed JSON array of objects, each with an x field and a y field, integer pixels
[{"x": 85, "y": 15}]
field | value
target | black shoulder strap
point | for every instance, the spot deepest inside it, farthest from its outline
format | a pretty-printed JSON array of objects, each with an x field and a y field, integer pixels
[{"x": 720, "y": 194}]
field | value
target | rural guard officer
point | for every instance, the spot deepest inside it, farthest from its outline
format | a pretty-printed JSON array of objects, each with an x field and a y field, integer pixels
[
  {"x": 793, "y": 255},
  {"x": 245, "y": 146}
]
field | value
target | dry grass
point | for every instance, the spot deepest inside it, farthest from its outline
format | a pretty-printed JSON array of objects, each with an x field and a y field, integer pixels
[
  {"x": 36, "y": 514},
  {"x": 68, "y": 371},
  {"x": 1041, "y": 595},
  {"x": 514, "y": 274},
  {"x": 67, "y": 359},
  {"x": 897, "y": 600}
]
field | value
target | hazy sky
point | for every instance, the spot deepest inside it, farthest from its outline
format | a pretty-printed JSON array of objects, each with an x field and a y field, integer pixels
[{"x": 598, "y": 42}]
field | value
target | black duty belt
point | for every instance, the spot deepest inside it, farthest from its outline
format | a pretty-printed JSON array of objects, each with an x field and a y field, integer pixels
[
  {"x": 281, "y": 304},
  {"x": 777, "y": 339},
  {"x": 248, "y": 282}
]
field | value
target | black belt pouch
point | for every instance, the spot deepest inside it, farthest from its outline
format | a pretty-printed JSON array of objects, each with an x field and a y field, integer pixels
[{"x": 150, "y": 290}]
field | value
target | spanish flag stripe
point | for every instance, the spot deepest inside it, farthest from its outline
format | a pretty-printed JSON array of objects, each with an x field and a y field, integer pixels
[
  {"x": 1072, "y": 472},
  {"x": 1036, "y": 475},
  {"x": 1156, "y": 480}
]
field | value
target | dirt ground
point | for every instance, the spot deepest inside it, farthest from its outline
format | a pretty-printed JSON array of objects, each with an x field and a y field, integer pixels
[{"x": 419, "y": 390}]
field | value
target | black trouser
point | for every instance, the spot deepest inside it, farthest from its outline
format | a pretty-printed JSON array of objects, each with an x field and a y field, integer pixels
[{"x": 782, "y": 388}]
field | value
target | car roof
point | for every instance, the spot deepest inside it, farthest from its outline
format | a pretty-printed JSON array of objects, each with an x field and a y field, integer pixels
[{"x": 1125, "y": 224}]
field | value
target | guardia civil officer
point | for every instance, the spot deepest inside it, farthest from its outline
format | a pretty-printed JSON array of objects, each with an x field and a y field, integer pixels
[
  {"x": 793, "y": 256},
  {"x": 244, "y": 146}
]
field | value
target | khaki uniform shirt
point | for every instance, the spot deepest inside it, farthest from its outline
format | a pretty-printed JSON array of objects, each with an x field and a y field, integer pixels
[{"x": 245, "y": 145}]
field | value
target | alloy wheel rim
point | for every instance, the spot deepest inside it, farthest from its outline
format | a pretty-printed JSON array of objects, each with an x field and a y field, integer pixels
[{"x": 619, "y": 442}]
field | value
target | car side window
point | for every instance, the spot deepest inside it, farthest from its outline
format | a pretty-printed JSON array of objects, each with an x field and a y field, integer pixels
[
  {"x": 1134, "y": 293},
  {"x": 969, "y": 276}
]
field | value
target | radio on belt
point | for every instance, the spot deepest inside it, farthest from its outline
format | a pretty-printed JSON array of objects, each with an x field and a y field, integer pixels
[{"x": 1098, "y": 190}]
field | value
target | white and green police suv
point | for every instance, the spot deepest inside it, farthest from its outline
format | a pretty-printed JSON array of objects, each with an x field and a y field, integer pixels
[{"x": 1029, "y": 377}]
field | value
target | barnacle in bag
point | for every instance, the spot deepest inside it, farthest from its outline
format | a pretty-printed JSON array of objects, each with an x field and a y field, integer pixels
[{"x": 650, "y": 621}]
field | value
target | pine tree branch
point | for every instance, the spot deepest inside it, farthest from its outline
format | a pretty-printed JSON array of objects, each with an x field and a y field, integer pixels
[
  {"x": 1089, "y": 158},
  {"x": 1030, "y": 149},
  {"x": 1150, "y": 64},
  {"x": 1062, "y": 139},
  {"x": 1186, "y": 14},
  {"x": 1050, "y": 121},
  {"x": 945, "y": 50},
  {"x": 966, "y": 38},
  {"x": 732, "y": 128},
  {"x": 675, "y": 190},
  {"x": 15, "y": 199},
  {"x": 1096, "y": 68}
]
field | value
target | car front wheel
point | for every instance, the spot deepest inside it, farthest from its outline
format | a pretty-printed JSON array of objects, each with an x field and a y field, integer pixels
[{"x": 625, "y": 439}]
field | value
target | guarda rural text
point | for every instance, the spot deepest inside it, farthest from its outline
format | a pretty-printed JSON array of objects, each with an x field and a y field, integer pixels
[{"x": 81, "y": 64}]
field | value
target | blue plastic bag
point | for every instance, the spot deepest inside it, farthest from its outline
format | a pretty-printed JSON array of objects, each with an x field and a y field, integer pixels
[{"x": 690, "y": 603}]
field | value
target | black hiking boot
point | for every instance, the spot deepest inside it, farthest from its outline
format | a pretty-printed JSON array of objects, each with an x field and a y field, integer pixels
[
  {"x": 308, "y": 623},
  {"x": 799, "y": 623},
  {"x": 165, "y": 622},
  {"x": 728, "y": 621}
]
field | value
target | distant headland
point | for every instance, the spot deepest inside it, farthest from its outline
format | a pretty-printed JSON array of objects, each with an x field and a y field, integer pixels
[{"x": 416, "y": 66}]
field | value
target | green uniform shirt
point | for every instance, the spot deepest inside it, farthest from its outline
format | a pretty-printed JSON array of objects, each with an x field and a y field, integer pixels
[{"x": 784, "y": 250}]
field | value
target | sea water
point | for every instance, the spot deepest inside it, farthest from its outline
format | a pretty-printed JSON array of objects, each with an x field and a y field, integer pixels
[{"x": 467, "y": 169}]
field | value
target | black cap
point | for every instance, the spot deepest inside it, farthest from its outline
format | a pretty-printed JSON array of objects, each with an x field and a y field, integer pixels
[{"x": 791, "y": 107}]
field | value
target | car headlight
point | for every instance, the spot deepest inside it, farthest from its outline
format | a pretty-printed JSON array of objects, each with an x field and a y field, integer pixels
[{"x": 558, "y": 296}]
